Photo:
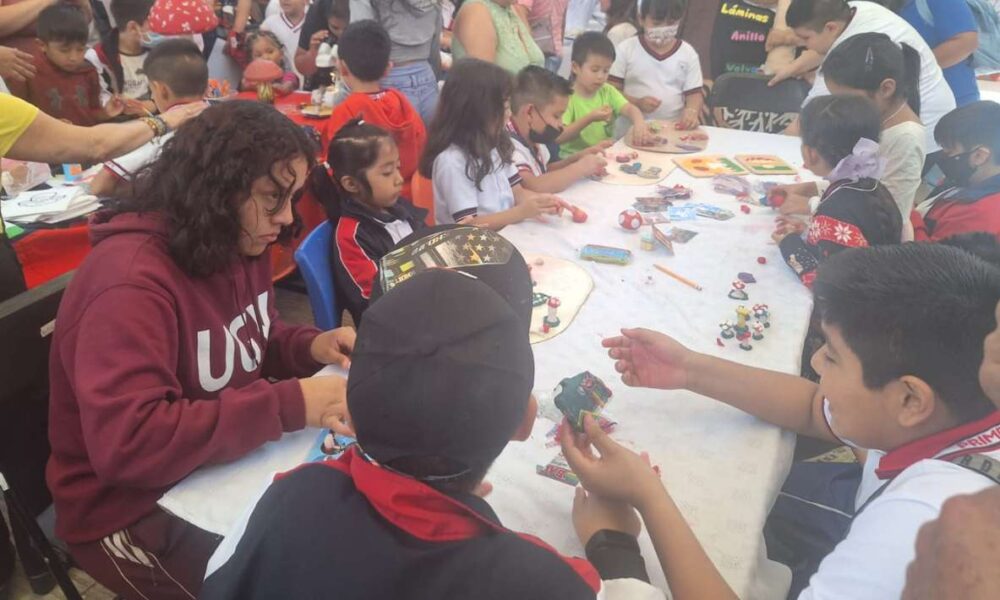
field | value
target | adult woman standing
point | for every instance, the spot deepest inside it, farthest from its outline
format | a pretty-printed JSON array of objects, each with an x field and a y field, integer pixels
[
  {"x": 491, "y": 30},
  {"x": 170, "y": 355}
]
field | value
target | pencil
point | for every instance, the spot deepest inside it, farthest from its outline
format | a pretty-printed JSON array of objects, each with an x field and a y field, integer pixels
[{"x": 683, "y": 280}]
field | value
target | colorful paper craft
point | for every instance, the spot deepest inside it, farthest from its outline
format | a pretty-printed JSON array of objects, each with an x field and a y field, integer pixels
[
  {"x": 667, "y": 139},
  {"x": 710, "y": 165},
  {"x": 765, "y": 164}
]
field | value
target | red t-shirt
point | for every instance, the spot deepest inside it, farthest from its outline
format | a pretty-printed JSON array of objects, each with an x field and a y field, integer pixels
[{"x": 75, "y": 96}]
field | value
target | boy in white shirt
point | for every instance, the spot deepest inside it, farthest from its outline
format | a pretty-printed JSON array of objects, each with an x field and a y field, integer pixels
[
  {"x": 823, "y": 24},
  {"x": 656, "y": 70},
  {"x": 178, "y": 74},
  {"x": 287, "y": 26},
  {"x": 905, "y": 327}
]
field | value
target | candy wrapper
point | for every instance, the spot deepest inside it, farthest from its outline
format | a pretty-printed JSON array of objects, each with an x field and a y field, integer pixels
[
  {"x": 710, "y": 211},
  {"x": 329, "y": 446},
  {"x": 675, "y": 192},
  {"x": 559, "y": 470},
  {"x": 604, "y": 421},
  {"x": 731, "y": 185},
  {"x": 579, "y": 395}
]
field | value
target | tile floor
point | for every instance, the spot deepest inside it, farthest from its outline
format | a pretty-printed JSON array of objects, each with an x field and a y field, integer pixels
[{"x": 294, "y": 308}]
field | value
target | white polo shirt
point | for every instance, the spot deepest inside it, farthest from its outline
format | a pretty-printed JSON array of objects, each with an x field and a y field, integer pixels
[
  {"x": 288, "y": 33},
  {"x": 456, "y": 196},
  {"x": 670, "y": 76},
  {"x": 870, "y": 563},
  {"x": 936, "y": 98},
  {"x": 525, "y": 158},
  {"x": 126, "y": 167}
]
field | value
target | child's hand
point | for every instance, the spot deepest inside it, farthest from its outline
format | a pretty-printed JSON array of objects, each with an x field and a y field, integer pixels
[
  {"x": 325, "y": 398},
  {"x": 650, "y": 359},
  {"x": 600, "y": 147},
  {"x": 591, "y": 164},
  {"x": 537, "y": 205},
  {"x": 601, "y": 114},
  {"x": 115, "y": 107},
  {"x": 134, "y": 108},
  {"x": 648, "y": 104},
  {"x": 641, "y": 136},
  {"x": 795, "y": 204},
  {"x": 790, "y": 224},
  {"x": 317, "y": 39},
  {"x": 592, "y": 513},
  {"x": 689, "y": 120},
  {"x": 616, "y": 473}
]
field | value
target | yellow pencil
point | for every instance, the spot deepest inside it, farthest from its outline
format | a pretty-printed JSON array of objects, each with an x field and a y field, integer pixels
[{"x": 683, "y": 280}]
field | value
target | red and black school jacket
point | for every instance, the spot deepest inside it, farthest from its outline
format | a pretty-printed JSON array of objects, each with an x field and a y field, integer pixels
[
  {"x": 351, "y": 530},
  {"x": 848, "y": 216},
  {"x": 360, "y": 239}
]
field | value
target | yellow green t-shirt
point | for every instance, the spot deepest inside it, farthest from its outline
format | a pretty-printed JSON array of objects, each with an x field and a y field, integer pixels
[
  {"x": 595, "y": 133},
  {"x": 15, "y": 116}
]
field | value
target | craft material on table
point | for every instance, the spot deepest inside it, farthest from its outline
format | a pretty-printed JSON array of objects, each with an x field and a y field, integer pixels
[
  {"x": 709, "y": 165},
  {"x": 580, "y": 395},
  {"x": 53, "y": 205},
  {"x": 674, "y": 192},
  {"x": 605, "y": 254},
  {"x": 329, "y": 446},
  {"x": 563, "y": 280},
  {"x": 651, "y": 204},
  {"x": 316, "y": 111},
  {"x": 667, "y": 139},
  {"x": 630, "y": 219},
  {"x": 643, "y": 174},
  {"x": 765, "y": 164},
  {"x": 679, "y": 278}
]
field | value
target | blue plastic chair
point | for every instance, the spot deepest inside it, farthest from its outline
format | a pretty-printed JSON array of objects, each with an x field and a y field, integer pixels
[{"x": 313, "y": 258}]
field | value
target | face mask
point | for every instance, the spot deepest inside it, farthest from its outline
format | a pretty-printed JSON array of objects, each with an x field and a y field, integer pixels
[
  {"x": 151, "y": 39},
  {"x": 546, "y": 136},
  {"x": 662, "y": 35},
  {"x": 957, "y": 168},
  {"x": 833, "y": 428}
]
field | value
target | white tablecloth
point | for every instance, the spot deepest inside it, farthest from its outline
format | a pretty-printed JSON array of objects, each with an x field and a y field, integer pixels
[{"x": 723, "y": 467}]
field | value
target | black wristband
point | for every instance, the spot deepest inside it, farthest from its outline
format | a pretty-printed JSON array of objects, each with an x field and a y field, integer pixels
[{"x": 616, "y": 555}]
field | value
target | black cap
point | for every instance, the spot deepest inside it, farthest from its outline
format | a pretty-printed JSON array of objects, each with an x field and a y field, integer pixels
[
  {"x": 480, "y": 252},
  {"x": 442, "y": 369}
]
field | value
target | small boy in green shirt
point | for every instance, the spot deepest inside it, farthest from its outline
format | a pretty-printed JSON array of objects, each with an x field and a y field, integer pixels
[{"x": 595, "y": 104}]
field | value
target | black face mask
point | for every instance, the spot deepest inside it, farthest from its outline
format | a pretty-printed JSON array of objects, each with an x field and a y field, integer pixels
[
  {"x": 546, "y": 136},
  {"x": 957, "y": 168}
]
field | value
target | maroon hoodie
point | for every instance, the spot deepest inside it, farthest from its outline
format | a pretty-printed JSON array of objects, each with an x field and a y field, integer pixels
[{"x": 155, "y": 373}]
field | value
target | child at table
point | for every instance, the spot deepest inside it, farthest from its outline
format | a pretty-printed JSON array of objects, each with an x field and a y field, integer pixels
[
  {"x": 436, "y": 392},
  {"x": 873, "y": 66},
  {"x": 364, "y": 60},
  {"x": 361, "y": 194},
  {"x": 905, "y": 327},
  {"x": 65, "y": 85},
  {"x": 970, "y": 198},
  {"x": 595, "y": 104},
  {"x": 119, "y": 56},
  {"x": 469, "y": 152},
  {"x": 537, "y": 105},
  {"x": 177, "y": 74},
  {"x": 840, "y": 143},
  {"x": 656, "y": 70},
  {"x": 265, "y": 45}
]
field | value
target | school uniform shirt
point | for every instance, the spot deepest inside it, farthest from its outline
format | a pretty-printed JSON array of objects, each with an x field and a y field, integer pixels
[
  {"x": 155, "y": 373},
  {"x": 845, "y": 218},
  {"x": 951, "y": 18},
  {"x": 121, "y": 74},
  {"x": 528, "y": 156},
  {"x": 936, "y": 98},
  {"x": 904, "y": 148},
  {"x": 392, "y": 111},
  {"x": 456, "y": 196},
  {"x": 960, "y": 210},
  {"x": 871, "y": 562},
  {"x": 287, "y": 33},
  {"x": 361, "y": 238},
  {"x": 595, "y": 133},
  {"x": 359, "y": 530},
  {"x": 670, "y": 76},
  {"x": 74, "y": 96},
  {"x": 127, "y": 166}
]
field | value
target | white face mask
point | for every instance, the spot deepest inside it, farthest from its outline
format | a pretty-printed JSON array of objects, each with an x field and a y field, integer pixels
[
  {"x": 829, "y": 421},
  {"x": 662, "y": 35}
]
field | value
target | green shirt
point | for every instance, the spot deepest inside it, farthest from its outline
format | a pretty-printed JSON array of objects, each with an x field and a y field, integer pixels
[
  {"x": 516, "y": 48},
  {"x": 595, "y": 133}
]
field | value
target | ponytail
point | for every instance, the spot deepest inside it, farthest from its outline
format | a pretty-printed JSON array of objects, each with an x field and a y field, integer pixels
[
  {"x": 351, "y": 152},
  {"x": 910, "y": 83}
]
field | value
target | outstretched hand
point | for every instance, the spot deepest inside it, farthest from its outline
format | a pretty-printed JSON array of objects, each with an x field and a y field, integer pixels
[{"x": 649, "y": 359}]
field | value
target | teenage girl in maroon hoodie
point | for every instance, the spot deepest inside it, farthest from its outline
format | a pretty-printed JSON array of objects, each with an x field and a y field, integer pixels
[{"x": 169, "y": 353}]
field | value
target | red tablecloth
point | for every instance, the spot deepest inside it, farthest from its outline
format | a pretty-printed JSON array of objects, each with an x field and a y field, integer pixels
[{"x": 47, "y": 254}]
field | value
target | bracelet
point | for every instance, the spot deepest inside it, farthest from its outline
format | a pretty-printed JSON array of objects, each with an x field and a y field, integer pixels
[{"x": 157, "y": 124}]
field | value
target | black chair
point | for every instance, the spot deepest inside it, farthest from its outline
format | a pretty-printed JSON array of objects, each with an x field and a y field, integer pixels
[
  {"x": 26, "y": 325},
  {"x": 744, "y": 101}
]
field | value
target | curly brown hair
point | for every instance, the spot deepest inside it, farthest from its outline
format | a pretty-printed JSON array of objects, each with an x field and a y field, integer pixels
[{"x": 204, "y": 174}]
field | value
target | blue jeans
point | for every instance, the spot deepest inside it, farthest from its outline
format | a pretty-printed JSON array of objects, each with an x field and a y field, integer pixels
[{"x": 419, "y": 84}]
